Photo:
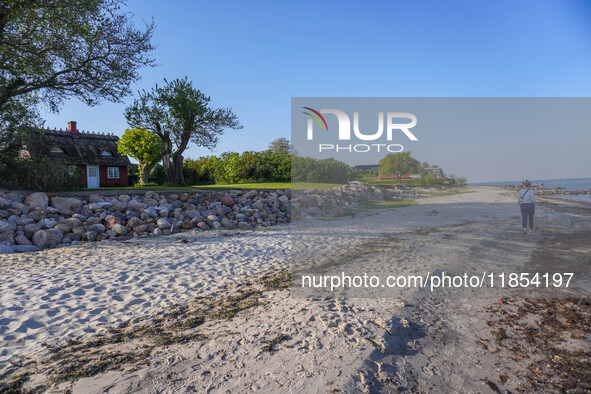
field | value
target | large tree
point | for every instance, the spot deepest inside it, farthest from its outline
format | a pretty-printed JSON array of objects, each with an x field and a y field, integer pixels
[
  {"x": 398, "y": 164},
  {"x": 179, "y": 114},
  {"x": 143, "y": 146},
  {"x": 281, "y": 144},
  {"x": 55, "y": 49}
]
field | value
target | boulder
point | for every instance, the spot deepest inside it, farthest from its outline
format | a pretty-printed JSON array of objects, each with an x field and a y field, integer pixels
[
  {"x": 31, "y": 229},
  {"x": 186, "y": 225},
  {"x": 151, "y": 212},
  {"x": 6, "y": 226},
  {"x": 163, "y": 223},
  {"x": 142, "y": 228},
  {"x": 135, "y": 205},
  {"x": 37, "y": 201},
  {"x": 6, "y": 249},
  {"x": 22, "y": 240},
  {"x": 284, "y": 199},
  {"x": 48, "y": 238},
  {"x": 100, "y": 205},
  {"x": 48, "y": 222},
  {"x": 151, "y": 194},
  {"x": 119, "y": 229},
  {"x": 124, "y": 198},
  {"x": 192, "y": 214},
  {"x": 134, "y": 222},
  {"x": 7, "y": 237},
  {"x": 176, "y": 204},
  {"x": 99, "y": 228},
  {"x": 202, "y": 226},
  {"x": 62, "y": 203},
  {"x": 228, "y": 223},
  {"x": 243, "y": 225},
  {"x": 110, "y": 234},
  {"x": 78, "y": 230},
  {"x": 4, "y": 203},
  {"x": 23, "y": 221},
  {"x": 93, "y": 220},
  {"x": 25, "y": 248},
  {"x": 228, "y": 201},
  {"x": 113, "y": 220},
  {"x": 15, "y": 196},
  {"x": 90, "y": 236},
  {"x": 95, "y": 198}
]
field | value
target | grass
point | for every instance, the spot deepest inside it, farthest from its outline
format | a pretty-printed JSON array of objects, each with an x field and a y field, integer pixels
[
  {"x": 313, "y": 185},
  {"x": 371, "y": 179}
]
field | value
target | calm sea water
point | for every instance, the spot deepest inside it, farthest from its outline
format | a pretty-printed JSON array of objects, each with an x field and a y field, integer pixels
[{"x": 567, "y": 184}]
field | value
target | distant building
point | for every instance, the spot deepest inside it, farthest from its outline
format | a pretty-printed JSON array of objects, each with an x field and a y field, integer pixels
[
  {"x": 367, "y": 167},
  {"x": 435, "y": 172},
  {"x": 95, "y": 154}
]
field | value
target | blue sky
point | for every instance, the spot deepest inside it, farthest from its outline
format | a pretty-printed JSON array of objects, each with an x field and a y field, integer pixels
[{"x": 254, "y": 56}]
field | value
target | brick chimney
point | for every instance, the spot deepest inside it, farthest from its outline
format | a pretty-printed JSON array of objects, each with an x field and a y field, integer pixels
[{"x": 72, "y": 127}]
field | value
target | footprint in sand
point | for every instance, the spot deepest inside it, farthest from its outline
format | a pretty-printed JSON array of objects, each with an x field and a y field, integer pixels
[
  {"x": 30, "y": 324},
  {"x": 135, "y": 302},
  {"x": 79, "y": 292}
]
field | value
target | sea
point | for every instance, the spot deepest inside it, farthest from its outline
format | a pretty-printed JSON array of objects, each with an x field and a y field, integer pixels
[{"x": 582, "y": 184}]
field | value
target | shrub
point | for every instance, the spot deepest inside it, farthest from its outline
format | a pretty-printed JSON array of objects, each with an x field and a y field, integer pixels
[{"x": 41, "y": 173}]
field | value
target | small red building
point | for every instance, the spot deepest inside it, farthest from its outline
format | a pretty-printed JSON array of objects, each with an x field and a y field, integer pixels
[{"x": 96, "y": 154}]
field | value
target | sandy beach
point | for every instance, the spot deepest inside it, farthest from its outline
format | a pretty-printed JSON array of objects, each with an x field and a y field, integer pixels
[{"x": 213, "y": 311}]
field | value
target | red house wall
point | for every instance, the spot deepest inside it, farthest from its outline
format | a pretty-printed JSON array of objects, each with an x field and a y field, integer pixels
[
  {"x": 82, "y": 180},
  {"x": 122, "y": 181}
]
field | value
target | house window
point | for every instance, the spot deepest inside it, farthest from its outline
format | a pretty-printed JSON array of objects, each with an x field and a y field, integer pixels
[
  {"x": 107, "y": 153},
  {"x": 57, "y": 149},
  {"x": 113, "y": 172}
]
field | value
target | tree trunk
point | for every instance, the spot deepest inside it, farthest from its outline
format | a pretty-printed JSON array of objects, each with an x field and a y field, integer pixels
[
  {"x": 177, "y": 159},
  {"x": 145, "y": 170},
  {"x": 168, "y": 170}
]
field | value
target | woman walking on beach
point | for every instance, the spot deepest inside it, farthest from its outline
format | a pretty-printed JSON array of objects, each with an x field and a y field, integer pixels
[{"x": 527, "y": 202}]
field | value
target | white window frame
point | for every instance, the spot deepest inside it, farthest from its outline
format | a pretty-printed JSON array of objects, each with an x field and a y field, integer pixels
[{"x": 113, "y": 173}]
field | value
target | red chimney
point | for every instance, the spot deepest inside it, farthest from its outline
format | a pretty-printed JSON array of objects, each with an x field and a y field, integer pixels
[{"x": 72, "y": 127}]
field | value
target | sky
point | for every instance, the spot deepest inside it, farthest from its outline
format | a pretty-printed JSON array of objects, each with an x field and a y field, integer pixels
[{"x": 255, "y": 56}]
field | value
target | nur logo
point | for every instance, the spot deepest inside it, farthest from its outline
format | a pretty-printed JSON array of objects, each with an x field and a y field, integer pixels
[
  {"x": 345, "y": 124},
  {"x": 344, "y": 131}
]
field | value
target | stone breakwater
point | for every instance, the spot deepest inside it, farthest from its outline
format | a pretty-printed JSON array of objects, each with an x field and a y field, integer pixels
[
  {"x": 333, "y": 202},
  {"x": 38, "y": 221},
  {"x": 543, "y": 191}
]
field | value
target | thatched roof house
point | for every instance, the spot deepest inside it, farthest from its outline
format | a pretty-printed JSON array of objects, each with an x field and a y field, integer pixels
[{"x": 96, "y": 154}]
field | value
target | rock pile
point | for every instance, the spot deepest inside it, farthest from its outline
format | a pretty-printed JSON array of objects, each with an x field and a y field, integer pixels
[
  {"x": 37, "y": 221},
  {"x": 332, "y": 202}
]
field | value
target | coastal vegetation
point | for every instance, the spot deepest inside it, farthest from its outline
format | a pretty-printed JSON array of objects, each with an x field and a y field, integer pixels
[
  {"x": 51, "y": 51},
  {"x": 179, "y": 114}
]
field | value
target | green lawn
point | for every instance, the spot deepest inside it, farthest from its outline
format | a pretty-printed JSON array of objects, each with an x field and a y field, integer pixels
[
  {"x": 449, "y": 192},
  {"x": 370, "y": 179}
]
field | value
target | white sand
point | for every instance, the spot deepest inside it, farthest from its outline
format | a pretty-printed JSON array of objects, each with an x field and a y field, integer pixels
[
  {"x": 52, "y": 295},
  {"x": 354, "y": 344}
]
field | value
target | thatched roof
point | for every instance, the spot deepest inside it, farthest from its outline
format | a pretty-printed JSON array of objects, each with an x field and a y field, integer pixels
[{"x": 81, "y": 147}]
